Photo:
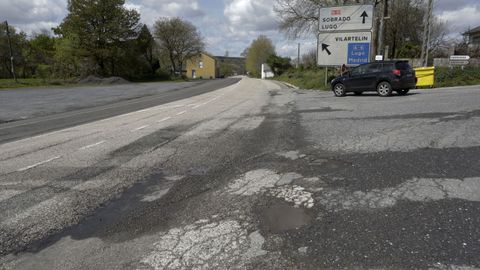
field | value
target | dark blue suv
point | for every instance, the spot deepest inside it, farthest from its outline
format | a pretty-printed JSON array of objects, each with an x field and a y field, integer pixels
[{"x": 383, "y": 77}]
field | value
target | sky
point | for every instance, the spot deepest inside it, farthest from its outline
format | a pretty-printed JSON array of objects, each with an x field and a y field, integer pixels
[{"x": 227, "y": 25}]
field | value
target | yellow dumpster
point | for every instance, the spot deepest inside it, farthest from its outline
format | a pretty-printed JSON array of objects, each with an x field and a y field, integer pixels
[{"x": 425, "y": 76}]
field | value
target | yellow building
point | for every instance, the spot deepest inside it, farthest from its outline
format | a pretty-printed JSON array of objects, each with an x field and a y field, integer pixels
[{"x": 203, "y": 66}]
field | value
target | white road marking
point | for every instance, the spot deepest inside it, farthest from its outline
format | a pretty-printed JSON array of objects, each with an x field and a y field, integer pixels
[
  {"x": 164, "y": 119},
  {"x": 145, "y": 110},
  {"x": 205, "y": 103},
  {"x": 92, "y": 145},
  {"x": 37, "y": 164},
  {"x": 180, "y": 113},
  {"x": 173, "y": 106},
  {"x": 140, "y": 128}
]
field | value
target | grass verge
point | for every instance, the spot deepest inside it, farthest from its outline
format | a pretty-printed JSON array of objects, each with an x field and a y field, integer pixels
[
  {"x": 307, "y": 78},
  {"x": 447, "y": 77},
  {"x": 31, "y": 82}
]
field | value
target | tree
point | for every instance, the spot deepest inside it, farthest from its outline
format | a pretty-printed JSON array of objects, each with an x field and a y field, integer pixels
[
  {"x": 179, "y": 40},
  {"x": 19, "y": 48},
  {"x": 40, "y": 55},
  {"x": 258, "y": 53},
  {"x": 146, "y": 47},
  {"x": 101, "y": 28},
  {"x": 279, "y": 64}
]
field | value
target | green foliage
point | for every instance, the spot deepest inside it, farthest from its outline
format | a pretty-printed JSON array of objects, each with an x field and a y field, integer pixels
[
  {"x": 279, "y": 64},
  {"x": 44, "y": 71},
  {"x": 307, "y": 78},
  {"x": 226, "y": 69},
  {"x": 446, "y": 77},
  {"x": 100, "y": 37},
  {"x": 257, "y": 54},
  {"x": 6, "y": 84},
  {"x": 231, "y": 66},
  {"x": 20, "y": 52},
  {"x": 66, "y": 60},
  {"x": 145, "y": 45},
  {"x": 410, "y": 50},
  {"x": 101, "y": 30}
]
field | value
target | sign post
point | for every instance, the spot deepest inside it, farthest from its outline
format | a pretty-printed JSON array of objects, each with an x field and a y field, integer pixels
[
  {"x": 459, "y": 60},
  {"x": 336, "y": 49},
  {"x": 346, "y": 18},
  {"x": 345, "y": 35}
]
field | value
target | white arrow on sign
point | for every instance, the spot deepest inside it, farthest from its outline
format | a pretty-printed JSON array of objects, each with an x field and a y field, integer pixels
[
  {"x": 459, "y": 58},
  {"x": 336, "y": 49},
  {"x": 346, "y": 18},
  {"x": 459, "y": 62}
]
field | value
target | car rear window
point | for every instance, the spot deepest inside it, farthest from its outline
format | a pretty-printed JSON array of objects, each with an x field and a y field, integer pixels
[{"x": 403, "y": 66}]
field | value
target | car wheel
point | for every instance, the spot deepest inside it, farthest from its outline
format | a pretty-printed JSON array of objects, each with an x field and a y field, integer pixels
[
  {"x": 339, "y": 90},
  {"x": 403, "y": 92},
  {"x": 384, "y": 89},
  {"x": 357, "y": 93}
]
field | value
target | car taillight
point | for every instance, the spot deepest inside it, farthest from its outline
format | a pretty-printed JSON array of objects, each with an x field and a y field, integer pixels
[{"x": 397, "y": 72}]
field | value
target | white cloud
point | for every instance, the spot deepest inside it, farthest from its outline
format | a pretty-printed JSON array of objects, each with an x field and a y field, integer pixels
[
  {"x": 459, "y": 20},
  {"x": 246, "y": 17},
  {"x": 151, "y": 10},
  {"x": 33, "y": 15}
]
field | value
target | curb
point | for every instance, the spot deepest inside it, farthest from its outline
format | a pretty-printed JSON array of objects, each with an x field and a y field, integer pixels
[{"x": 289, "y": 85}]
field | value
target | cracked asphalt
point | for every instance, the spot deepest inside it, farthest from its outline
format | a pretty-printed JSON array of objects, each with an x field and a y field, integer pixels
[{"x": 252, "y": 176}]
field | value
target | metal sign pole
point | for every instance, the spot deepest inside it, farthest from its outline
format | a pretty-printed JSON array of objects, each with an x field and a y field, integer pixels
[{"x": 326, "y": 76}]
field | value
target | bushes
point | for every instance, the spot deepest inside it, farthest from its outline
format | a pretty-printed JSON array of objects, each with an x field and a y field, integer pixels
[
  {"x": 446, "y": 77},
  {"x": 308, "y": 78}
]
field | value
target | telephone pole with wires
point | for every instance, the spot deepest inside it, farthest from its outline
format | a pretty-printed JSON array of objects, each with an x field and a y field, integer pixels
[
  {"x": 426, "y": 33},
  {"x": 12, "y": 63},
  {"x": 382, "y": 30}
]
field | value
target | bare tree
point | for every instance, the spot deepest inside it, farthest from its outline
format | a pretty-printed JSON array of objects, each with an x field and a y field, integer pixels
[
  {"x": 309, "y": 60},
  {"x": 179, "y": 40}
]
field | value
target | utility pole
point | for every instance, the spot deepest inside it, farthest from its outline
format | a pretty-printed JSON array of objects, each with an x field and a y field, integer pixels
[
  {"x": 381, "y": 34},
  {"x": 12, "y": 65},
  {"x": 298, "y": 59},
  {"x": 426, "y": 34}
]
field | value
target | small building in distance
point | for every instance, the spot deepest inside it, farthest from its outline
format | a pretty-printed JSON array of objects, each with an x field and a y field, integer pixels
[
  {"x": 473, "y": 36},
  {"x": 206, "y": 66},
  {"x": 267, "y": 72},
  {"x": 203, "y": 66}
]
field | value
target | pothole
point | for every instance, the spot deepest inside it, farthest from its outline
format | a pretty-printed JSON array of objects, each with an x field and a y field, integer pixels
[{"x": 282, "y": 216}]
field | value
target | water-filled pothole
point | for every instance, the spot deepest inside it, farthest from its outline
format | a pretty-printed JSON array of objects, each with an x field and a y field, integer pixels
[{"x": 281, "y": 216}]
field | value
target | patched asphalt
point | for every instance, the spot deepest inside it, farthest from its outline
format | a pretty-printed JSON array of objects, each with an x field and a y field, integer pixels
[{"x": 260, "y": 177}]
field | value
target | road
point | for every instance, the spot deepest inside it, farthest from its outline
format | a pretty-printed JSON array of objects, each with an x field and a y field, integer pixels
[
  {"x": 28, "y": 112},
  {"x": 252, "y": 176}
]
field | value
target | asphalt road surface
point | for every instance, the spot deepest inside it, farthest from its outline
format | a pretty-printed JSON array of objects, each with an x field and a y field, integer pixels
[
  {"x": 28, "y": 112},
  {"x": 252, "y": 176}
]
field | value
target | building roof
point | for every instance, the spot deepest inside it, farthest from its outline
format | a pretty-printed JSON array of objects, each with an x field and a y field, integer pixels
[
  {"x": 473, "y": 31},
  {"x": 229, "y": 58}
]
